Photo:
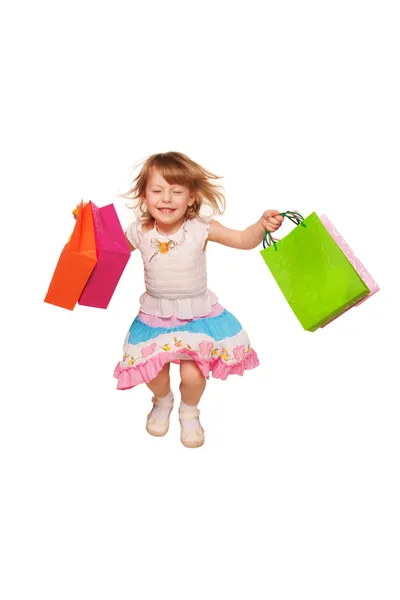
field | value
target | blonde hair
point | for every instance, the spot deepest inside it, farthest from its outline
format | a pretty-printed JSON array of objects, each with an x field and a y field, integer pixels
[{"x": 178, "y": 168}]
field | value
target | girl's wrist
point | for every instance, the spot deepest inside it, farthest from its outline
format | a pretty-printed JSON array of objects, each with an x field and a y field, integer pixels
[
  {"x": 253, "y": 235},
  {"x": 261, "y": 228},
  {"x": 259, "y": 222}
]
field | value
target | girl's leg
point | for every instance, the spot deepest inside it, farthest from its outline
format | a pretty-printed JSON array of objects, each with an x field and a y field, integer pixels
[
  {"x": 192, "y": 387},
  {"x": 160, "y": 385},
  {"x": 193, "y": 382},
  {"x": 163, "y": 401}
]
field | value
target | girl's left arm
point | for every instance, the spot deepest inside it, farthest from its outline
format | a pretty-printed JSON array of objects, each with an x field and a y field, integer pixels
[{"x": 249, "y": 238}]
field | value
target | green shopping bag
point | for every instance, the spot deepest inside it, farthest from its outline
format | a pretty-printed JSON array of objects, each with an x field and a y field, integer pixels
[{"x": 314, "y": 275}]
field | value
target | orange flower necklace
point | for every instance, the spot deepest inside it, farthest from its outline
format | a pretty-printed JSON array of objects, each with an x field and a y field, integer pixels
[{"x": 165, "y": 247}]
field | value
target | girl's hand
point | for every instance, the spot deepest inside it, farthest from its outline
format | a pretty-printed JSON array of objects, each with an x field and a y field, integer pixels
[
  {"x": 271, "y": 220},
  {"x": 76, "y": 210}
]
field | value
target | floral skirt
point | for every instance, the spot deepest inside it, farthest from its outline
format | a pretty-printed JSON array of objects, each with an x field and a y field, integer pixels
[{"x": 217, "y": 343}]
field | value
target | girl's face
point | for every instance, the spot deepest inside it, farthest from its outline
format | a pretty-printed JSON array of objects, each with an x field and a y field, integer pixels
[{"x": 166, "y": 203}]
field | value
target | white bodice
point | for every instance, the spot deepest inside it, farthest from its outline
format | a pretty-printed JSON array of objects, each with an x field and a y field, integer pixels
[{"x": 175, "y": 277}]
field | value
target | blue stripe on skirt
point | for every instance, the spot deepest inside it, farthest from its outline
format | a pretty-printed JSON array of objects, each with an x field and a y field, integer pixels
[{"x": 220, "y": 327}]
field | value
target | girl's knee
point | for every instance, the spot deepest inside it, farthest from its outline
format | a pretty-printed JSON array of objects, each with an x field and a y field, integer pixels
[
  {"x": 191, "y": 374},
  {"x": 163, "y": 375}
]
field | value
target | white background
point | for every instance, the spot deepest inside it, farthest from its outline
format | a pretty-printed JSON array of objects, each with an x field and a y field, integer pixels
[{"x": 295, "y": 493}]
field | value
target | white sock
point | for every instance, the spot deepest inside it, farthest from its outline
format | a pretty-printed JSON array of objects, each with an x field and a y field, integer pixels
[
  {"x": 192, "y": 423},
  {"x": 159, "y": 411}
]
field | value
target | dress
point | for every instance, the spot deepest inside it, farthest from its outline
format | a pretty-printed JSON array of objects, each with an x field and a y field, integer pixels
[{"x": 179, "y": 317}]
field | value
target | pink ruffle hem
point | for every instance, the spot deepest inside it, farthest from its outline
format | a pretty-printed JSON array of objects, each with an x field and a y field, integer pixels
[{"x": 145, "y": 372}]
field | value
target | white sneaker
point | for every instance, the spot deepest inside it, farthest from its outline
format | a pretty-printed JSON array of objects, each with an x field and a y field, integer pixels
[
  {"x": 155, "y": 425},
  {"x": 191, "y": 437}
]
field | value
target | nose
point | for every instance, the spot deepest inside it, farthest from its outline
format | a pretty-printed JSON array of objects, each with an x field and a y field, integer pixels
[{"x": 167, "y": 197}]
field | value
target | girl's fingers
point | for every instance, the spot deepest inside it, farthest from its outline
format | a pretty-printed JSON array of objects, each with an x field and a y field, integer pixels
[
  {"x": 274, "y": 223},
  {"x": 269, "y": 227}
]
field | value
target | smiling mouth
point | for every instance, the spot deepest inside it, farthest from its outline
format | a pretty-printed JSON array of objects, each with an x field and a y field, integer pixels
[{"x": 166, "y": 210}]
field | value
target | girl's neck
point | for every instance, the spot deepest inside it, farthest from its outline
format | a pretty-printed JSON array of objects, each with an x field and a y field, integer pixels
[{"x": 169, "y": 229}]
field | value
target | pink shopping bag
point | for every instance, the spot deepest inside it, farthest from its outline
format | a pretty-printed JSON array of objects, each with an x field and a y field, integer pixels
[
  {"x": 352, "y": 258},
  {"x": 112, "y": 256}
]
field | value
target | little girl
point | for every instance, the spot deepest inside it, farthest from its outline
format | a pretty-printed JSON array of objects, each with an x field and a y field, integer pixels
[{"x": 180, "y": 319}]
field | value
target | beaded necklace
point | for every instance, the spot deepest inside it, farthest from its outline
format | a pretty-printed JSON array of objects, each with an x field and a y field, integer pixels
[{"x": 165, "y": 247}]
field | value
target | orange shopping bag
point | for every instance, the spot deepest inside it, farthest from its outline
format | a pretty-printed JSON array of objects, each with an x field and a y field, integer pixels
[{"x": 75, "y": 264}]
